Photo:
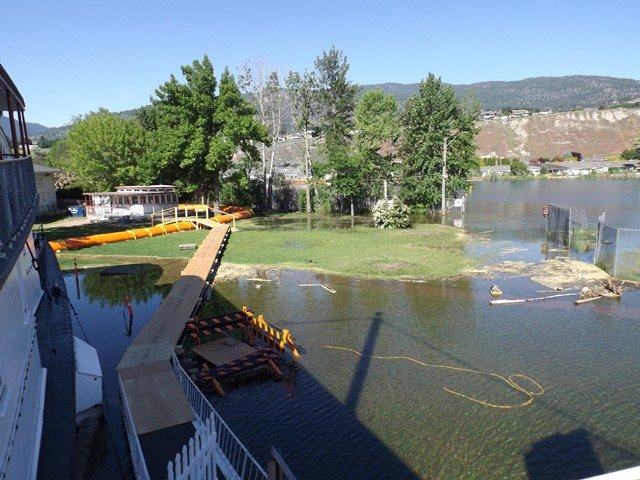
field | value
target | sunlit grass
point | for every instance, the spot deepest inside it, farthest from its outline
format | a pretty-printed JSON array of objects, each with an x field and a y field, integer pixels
[{"x": 425, "y": 251}]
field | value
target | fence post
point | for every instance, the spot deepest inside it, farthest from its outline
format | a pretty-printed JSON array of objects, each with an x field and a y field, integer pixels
[
  {"x": 570, "y": 229},
  {"x": 617, "y": 250},
  {"x": 596, "y": 255}
]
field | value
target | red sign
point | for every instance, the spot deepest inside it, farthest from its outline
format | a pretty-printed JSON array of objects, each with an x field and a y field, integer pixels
[{"x": 545, "y": 211}]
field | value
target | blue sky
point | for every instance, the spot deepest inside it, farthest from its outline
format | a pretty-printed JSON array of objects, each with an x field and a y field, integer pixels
[{"x": 71, "y": 57}]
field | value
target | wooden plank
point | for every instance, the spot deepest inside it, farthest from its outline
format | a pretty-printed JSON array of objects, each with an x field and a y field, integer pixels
[
  {"x": 156, "y": 401},
  {"x": 150, "y": 386},
  {"x": 218, "y": 353}
]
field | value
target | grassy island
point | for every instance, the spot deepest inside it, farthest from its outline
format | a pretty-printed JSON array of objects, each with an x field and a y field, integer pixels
[{"x": 426, "y": 251}]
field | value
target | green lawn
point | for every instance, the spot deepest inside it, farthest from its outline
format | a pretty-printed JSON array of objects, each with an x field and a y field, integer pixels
[{"x": 426, "y": 251}]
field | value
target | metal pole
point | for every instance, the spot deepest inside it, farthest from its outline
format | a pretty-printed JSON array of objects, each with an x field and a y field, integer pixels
[{"x": 444, "y": 176}]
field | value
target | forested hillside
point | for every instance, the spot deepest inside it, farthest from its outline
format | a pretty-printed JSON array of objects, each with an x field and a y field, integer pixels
[{"x": 557, "y": 93}]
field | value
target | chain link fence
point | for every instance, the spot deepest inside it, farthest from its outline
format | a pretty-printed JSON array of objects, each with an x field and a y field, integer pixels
[
  {"x": 570, "y": 233},
  {"x": 616, "y": 250}
]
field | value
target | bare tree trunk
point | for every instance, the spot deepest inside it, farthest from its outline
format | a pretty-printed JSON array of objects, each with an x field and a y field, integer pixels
[
  {"x": 352, "y": 212},
  {"x": 267, "y": 204},
  {"x": 270, "y": 183},
  {"x": 216, "y": 191}
]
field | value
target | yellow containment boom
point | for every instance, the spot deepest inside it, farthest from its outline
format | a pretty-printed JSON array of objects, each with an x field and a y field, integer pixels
[{"x": 75, "y": 243}]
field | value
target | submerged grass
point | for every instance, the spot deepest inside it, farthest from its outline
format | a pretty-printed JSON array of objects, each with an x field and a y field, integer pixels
[{"x": 426, "y": 251}]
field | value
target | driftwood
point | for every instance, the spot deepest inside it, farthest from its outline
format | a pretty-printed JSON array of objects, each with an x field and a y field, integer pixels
[
  {"x": 327, "y": 288},
  {"x": 608, "y": 290},
  {"x": 580, "y": 301},
  {"x": 523, "y": 300}
]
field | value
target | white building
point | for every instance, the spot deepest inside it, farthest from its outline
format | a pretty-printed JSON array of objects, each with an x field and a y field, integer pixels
[{"x": 45, "y": 185}]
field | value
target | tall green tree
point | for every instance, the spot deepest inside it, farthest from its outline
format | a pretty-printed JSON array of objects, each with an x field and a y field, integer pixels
[
  {"x": 376, "y": 123},
  {"x": 104, "y": 150},
  {"x": 337, "y": 99},
  {"x": 199, "y": 131},
  {"x": 302, "y": 92},
  {"x": 436, "y": 123}
]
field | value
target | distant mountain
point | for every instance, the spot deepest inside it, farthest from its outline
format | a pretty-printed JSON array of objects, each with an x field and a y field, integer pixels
[
  {"x": 60, "y": 132},
  {"x": 557, "y": 93},
  {"x": 33, "y": 128}
]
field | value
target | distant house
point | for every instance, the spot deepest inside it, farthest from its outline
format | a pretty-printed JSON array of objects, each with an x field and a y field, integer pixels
[
  {"x": 488, "y": 114},
  {"x": 495, "y": 170},
  {"x": 586, "y": 167},
  {"x": 557, "y": 168},
  {"x": 519, "y": 113},
  {"x": 46, "y": 188}
]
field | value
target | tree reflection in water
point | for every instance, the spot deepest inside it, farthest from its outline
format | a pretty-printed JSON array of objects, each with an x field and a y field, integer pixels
[{"x": 109, "y": 286}]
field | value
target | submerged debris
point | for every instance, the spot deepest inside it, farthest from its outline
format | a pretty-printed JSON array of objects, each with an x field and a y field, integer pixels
[
  {"x": 608, "y": 289},
  {"x": 558, "y": 273}
]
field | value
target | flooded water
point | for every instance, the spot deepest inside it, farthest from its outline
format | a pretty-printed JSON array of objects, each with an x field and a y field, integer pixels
[
  {"x": 408, "y": 380},
  {"x": 103, "y": 320}
]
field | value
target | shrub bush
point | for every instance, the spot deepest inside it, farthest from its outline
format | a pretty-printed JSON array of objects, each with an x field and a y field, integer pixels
[{"x": 391, "y": 214}]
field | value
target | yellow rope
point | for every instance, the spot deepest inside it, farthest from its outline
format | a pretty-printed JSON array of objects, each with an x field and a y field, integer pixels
[{"x": 510, "y": 380}]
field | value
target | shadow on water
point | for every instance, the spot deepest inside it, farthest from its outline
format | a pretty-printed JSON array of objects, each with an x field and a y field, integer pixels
[
  {"x": 330, "y": 441},
  {"x": 360, "y": 375},
  {"x": 568, "y": 456}
]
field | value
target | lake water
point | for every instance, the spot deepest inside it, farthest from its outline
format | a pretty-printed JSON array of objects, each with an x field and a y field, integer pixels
[{"x": 431, "y": 412}]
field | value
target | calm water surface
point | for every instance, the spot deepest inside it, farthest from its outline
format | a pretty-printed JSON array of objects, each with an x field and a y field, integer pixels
[{"x": 340, "y": 415}]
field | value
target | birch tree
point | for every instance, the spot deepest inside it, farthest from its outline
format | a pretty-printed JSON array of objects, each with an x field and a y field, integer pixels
[
  {"x": 270, "y": 99},
  {"x": 302, "y": 93}
]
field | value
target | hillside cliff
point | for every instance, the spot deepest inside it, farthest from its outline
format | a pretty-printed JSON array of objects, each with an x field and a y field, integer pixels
[{"x": 592, "y": 132}]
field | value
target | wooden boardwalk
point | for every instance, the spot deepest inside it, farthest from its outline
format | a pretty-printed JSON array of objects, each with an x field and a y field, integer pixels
[{"x": 149, "y": 385}]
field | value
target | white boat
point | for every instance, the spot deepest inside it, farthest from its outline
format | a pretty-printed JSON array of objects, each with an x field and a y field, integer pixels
[
  {"x": 37, "y": 355},
  {"x": 133, "y": 201}
]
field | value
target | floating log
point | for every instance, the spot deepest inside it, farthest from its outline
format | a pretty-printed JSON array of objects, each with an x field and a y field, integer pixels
[
  {"x": 523, "y": 300},
  {"x": 580, "y": 301}
]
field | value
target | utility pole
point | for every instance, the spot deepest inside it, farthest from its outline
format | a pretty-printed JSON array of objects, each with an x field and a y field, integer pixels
[{"x": 444, "y": 177}]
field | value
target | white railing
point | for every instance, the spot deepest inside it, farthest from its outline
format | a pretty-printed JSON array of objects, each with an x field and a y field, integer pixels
[
  {"x": 137, "y": 457},
  {"x": 233, "y": 459},
  {"x": 628, "y": 474},
  {"x": 198, "y": 461}
]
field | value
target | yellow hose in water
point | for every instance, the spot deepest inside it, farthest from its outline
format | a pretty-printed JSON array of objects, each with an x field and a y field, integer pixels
[{"x": 510, "y": 380}]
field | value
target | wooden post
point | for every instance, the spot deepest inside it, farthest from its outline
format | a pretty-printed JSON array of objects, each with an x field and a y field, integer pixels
[
  {"x": 12, "y": 123},
  {"x": 23, "y": 133}
]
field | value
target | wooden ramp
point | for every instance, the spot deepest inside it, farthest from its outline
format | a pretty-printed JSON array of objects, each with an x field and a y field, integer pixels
[{"x": 148, "y": 383}]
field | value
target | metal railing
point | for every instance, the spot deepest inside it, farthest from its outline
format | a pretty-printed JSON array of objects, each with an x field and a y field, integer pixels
[
  {"x": 137, "y": 456},
  {"x": 233, "y": 459}
]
